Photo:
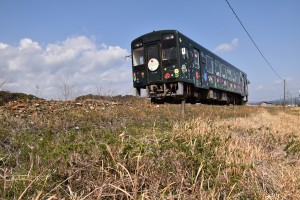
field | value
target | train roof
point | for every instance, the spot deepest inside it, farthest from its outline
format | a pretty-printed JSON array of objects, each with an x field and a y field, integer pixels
[{"x": 160, "y": 31}]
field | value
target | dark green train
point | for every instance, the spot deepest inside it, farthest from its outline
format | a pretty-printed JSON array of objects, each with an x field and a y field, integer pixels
[{"x": 172, "y": 67}]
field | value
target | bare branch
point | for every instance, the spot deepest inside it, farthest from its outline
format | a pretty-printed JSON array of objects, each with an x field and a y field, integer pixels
[
  {"x": 2, "y": 83},
  {"x": 68, "y": 90},
  {"x": 107, "y": 89}
]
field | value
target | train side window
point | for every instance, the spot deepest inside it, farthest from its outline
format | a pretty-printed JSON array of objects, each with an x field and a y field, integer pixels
[
  {"x": 217, "y": 68},
  {"x": 196, "y": 59},
  {"x": 209, "y": 64},
  {"x": 223, "y": 70},
  {"x": 237, "y": 79},
  {"x": 138, "y": 56},
  {"x": 185, "y": 53},
  {"x": 228, "y": 73},
  {"x": 233, "y": 76}
]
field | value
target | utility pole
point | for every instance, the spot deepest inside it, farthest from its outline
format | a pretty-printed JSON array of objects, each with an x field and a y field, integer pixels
[
  {"x": 283, "y": 92},
  {"x": 299, "y": 99}
]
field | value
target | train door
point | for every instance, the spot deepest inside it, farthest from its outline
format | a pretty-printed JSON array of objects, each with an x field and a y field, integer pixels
[{"x": 153, "y": 63}]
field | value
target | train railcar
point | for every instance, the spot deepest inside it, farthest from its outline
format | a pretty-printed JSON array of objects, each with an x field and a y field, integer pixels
[{"x": 172, "y": 67}]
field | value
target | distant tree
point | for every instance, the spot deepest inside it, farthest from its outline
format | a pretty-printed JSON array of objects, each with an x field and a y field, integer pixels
[
  {"x": 2, "y": 83},
  {"x": 107, "y": 89},
  {"x": 38, "y": 92},
  {"x": 68, "y": 90}
]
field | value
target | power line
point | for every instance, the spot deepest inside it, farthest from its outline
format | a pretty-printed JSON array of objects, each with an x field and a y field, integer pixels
[{"x": 253, "y": 41}]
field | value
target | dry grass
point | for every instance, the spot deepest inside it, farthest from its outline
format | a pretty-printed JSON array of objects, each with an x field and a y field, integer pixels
[
  {"x": 261, "y": 150},
  {"x": 135, "y": 150}
]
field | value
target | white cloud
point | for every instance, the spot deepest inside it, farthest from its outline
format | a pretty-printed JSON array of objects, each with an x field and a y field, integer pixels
[
  {"x": 36, "y": 70},
  {"x": 27, "y": 43},
  {"x": 67, "y": 50},
  {"x": 227, "y": 47},
  {"x": 3, "y": 46}
]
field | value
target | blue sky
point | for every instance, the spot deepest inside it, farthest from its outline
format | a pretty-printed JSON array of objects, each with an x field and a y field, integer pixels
[{"x": 44, "y": 44}]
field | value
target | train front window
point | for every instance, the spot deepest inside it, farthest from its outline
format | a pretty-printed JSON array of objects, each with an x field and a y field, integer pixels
[
  {"x": 169, "y": 47},
  {"x": 153, "y": 52},
  {"x": 169, "y": 54},
  {"x": 138, "y": 56}
]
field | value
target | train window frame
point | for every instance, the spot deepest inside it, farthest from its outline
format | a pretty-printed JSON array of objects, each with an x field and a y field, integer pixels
[
  {"x": 233, "y": 76},
  {"x": 196, "y": 58},
  {"x": 229, "y": 73},
  {"x": 223, "y": 71},
  {"x": 185, "y": 53},
  {"x": 236, "y": 77},
  {"x": 209, "y": 62},
  {"x": 153, "y": 51},
  {"x": 169, "y": 47},
  {"x": 169, "y": 54},
  {"x": 218, "y": 68},
  {"x": 138, "y": 56}
]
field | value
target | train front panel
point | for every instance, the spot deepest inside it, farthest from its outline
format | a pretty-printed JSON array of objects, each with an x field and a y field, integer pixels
[{"x": 155, "y": 61}]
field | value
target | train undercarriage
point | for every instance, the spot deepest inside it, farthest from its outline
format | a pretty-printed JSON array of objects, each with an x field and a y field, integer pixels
[{"x": 178, "y": 92}]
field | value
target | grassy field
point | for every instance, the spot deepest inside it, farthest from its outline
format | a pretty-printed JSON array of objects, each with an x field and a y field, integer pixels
[{"x": 131, "y": 149}]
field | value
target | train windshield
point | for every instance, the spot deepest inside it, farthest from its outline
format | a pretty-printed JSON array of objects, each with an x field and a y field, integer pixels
[
  {"x": 138, "y": 56},
  {"x": 169, "y": 47},
  {"x": 169, "y": 54}
]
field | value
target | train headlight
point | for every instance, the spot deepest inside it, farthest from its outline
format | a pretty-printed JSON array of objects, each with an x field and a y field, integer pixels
[
  {"x": 136, "y": 45},
  {"x": 168, "y": 37}
]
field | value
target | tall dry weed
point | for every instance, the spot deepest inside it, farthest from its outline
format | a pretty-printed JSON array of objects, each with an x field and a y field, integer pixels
[{"x": 255, "y": 152}]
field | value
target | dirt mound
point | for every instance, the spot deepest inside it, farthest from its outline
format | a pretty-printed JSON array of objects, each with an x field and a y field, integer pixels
[
  {"x": 118, "y": 98},
  {"x": 33, "y": 107},
  {"x": 6, "y": 97}
]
